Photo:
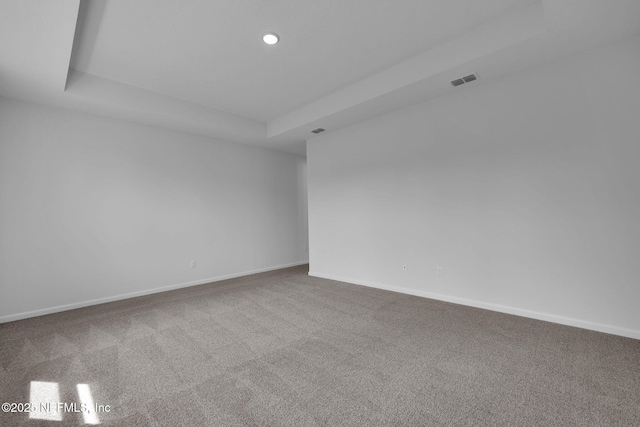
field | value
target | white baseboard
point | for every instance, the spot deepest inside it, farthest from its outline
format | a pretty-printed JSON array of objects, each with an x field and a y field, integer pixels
[
  {"x": 65, "y": 307},
  {"x": 609, "y": 329}
]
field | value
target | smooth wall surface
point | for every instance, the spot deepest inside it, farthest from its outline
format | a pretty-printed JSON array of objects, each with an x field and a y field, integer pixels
[
  {"x": 94, "y": 208},
  {"x": 525, "y": 190}
]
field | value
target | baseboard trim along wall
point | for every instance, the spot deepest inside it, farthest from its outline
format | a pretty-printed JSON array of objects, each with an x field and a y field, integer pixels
[
  {"x": 81, "y": 304},
  {"x": 609, "y": 329}
]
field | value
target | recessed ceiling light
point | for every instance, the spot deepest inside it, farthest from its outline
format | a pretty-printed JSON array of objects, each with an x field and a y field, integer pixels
[{"x": 271, "y": 38}]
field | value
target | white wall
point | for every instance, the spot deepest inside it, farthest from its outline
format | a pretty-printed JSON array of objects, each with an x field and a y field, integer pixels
[
  {"x": 525, "y": 189},
  {"x": 94, "y": 208}
]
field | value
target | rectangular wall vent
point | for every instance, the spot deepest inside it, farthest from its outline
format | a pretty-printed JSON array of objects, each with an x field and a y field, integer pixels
[
  {"x": 465, "y": 79},
  {"x": 317, "y": 130}
]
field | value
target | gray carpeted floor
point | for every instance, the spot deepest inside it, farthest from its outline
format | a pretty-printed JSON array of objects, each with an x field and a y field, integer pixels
[{"x": 283, "y": 348}]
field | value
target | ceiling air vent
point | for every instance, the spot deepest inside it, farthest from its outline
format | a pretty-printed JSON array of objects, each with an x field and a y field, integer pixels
[
  {"x": 317, "y": 130},
  {"x": 465, "y": 79}
]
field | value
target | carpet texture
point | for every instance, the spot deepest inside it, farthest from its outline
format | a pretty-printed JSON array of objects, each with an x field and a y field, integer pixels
[{"x": 283, "y": 348}]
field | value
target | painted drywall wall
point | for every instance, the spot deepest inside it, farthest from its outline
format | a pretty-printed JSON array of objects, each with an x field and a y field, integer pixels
[
  {"x": 93, "y": 209},
  {"x": 525, "y": 190}
]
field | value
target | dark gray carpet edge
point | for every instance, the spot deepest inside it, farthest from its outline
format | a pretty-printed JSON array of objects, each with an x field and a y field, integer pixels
[{"x": 285, "y": 349}]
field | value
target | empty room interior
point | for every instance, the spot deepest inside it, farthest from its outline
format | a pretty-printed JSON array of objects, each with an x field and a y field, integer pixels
[{"x": 320, "y": 212}]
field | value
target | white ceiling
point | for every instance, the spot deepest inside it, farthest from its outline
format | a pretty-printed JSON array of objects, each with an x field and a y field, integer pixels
[
  {"x": 200, "y": 66},
  {"x": 212, "y": 53}
]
